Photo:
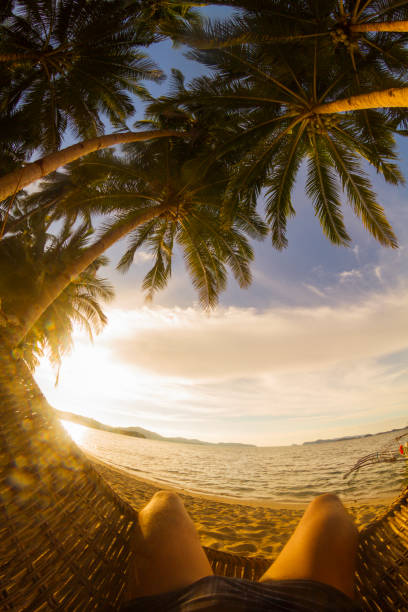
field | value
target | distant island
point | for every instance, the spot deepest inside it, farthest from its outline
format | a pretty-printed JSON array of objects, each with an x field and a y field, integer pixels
[
  {"x": 88, "y": 422},
  {"x": 355, "y": 437},
  {"x": 140, "y": 432},
  {"x": 135, "y": 432}
]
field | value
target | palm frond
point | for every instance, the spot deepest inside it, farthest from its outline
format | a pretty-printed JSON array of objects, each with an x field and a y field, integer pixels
[
  {"x": 322, "y": 189},
  {"x": 280, "y": 184},
  {"x": 360, "y": 195}
]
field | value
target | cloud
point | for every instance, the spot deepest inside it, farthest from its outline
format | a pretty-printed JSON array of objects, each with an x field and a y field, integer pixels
[
  {"x": 236, "y": 343},
  {"x": 349, "y": 274},
  {"x": 314, "y": 290},
  {"x": 273, "y": 377},
  {"x": 356, "y": 251},
  {"x": 377, "y": 272},
  {"x": 142, "y": 256}
]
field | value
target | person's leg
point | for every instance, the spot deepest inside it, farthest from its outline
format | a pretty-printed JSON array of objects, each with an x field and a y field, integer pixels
[
  {"x": 323, "y": 547},
  {"x": 169, "y": 555}
]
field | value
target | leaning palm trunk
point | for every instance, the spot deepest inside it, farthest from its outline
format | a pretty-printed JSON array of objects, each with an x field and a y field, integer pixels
[
  {"x": 19, "y": 57},
  {"x": 13, "y": 182},
  {"x": 57, "y": 285},
  {"x": 386, "y": 26},
  {"x": 375, "y": 99}
]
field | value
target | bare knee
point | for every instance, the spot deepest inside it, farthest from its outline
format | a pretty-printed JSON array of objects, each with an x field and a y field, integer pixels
[
  {"x": 163, "y": 506},
  {"x": 166, "y": 520},
  {"x": 325, "y": 499},
  {"x": 329, "y": 509},
  {"x": 327, "y": 503},
  {"x": 167, "y": 499}
]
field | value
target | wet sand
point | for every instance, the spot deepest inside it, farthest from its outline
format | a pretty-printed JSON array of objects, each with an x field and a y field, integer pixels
[{"x": 244, "y": 527}]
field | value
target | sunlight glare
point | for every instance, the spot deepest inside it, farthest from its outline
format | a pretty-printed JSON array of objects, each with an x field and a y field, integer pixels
[
  {"x": 77, "y": 432},
  {"x": 95, "y": 383}
]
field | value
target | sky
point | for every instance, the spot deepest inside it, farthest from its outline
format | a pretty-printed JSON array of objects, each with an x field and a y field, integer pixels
[{"x": 316, "y": 347}]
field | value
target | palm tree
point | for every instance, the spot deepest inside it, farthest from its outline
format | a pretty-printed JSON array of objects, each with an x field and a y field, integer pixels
[
  {"x": 13, "y": 182},
  {"x": 374, "y": 69},
  {"x": 370, "y": 50},
  {"x": 64, "y": 65},
  {"x": 159, "y": 196},
  {"x": 372, "y": 64},
  {"x": 373, "y": 54},
  {"x": 345, "y": 30},
  {"x": 27, "y": 260},
  {"x": 308, "y": 19},
  {"x": 292, "y": 106},
  {"x": 59, "y": 195},
  {"x": 162, "y": 16},
  {"x": 68, "y": 65}
]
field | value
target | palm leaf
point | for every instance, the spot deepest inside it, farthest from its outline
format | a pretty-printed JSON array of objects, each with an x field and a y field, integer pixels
[
  {"x": 322, "y": 189},
  {"x": 280, "y": 184},
  {"x": 360, "y": 195}
]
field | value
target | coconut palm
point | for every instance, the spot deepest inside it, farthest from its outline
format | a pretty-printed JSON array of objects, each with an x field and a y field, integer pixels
[
  {"x": 59, "y": 195},
  {"x": 292, "y": 106},
  {"x": 13, "y": 182},
  {"x": 345, "y": 29},
  {"x": 380, "y": 64},
  {"x": 310, "y": 18},
  {"x": 368, "y": 39},
  {"x": 159, "y": 196},
  {"x": 67, "y": 65},
  {"x": 27, "y": 260},
  {"x": 349, "y": 30},
  {"x": 70, "y": 193},
  {"x": 162, "y": 16}
]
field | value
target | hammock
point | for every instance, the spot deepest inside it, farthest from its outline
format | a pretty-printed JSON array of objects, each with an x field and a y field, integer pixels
[
  {"x": 384, "y": 455},
  {"x": 65, "y": 535}
]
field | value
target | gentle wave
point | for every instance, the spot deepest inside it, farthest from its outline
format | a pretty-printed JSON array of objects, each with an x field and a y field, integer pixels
[{"x": 285, "y": 474}]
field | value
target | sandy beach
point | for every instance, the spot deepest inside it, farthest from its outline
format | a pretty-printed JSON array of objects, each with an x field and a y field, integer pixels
[{"x": 245, "y": 527}]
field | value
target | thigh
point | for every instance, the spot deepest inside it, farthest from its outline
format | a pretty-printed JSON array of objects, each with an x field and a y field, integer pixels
[
  {"x": 168, "y": 553},
  {"x": 322, "y": 548}
]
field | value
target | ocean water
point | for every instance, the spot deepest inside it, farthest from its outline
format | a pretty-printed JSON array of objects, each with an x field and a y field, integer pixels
[{"x": 285, "y": 474}]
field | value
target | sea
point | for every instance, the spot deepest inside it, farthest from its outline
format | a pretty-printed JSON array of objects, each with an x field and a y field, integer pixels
[{"x": 268, "y": 474}]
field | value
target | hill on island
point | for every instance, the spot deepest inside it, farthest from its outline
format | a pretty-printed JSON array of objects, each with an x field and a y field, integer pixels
[
  {"x": 136, "y": 432},
  {"x": 369, "y": 435}
]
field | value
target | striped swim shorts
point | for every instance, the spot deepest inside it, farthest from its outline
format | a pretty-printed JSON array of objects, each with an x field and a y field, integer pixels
[{"x": 221, "y": 594}]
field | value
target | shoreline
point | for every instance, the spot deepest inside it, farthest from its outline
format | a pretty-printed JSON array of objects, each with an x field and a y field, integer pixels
[
  {"x": 229, "y": 499},
  {"x": 240, "y": 526}
]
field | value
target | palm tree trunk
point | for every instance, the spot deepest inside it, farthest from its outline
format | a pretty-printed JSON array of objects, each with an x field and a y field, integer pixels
[
  {"x": 55, "y": 287},
  {"x": 14, "y": 181},
  {"x": 18, "y": 57},
  {"x": 375, "y": 99},
  {"x": 386, "y": 26}
]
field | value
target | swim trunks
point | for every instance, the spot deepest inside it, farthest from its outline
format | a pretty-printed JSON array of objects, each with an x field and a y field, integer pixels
[{"x": 222, "y": 594}]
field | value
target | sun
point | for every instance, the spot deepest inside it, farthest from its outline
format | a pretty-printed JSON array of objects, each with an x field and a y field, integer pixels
[{"x": 97, "y": 385}]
